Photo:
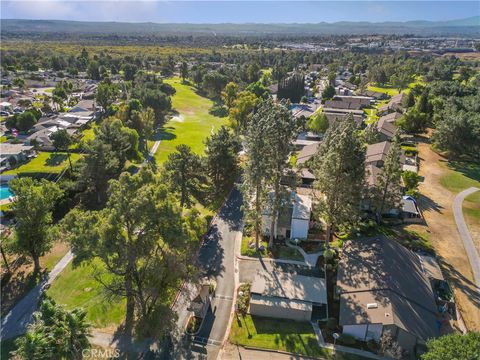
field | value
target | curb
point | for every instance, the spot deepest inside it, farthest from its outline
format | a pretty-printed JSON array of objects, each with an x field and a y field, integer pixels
[
  {"x": 294, "y": 355},
  {"x": 202, "y": 241}
]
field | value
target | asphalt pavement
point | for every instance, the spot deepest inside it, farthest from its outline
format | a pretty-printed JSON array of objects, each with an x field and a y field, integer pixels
[{"x": 216, "y": 260}]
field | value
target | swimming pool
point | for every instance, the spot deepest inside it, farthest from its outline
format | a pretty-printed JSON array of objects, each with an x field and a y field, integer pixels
[{"x": 5, "y": 192}]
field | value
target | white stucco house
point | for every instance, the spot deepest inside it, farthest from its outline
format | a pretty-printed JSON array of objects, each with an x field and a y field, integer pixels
[{"x": 294, "y": 219}]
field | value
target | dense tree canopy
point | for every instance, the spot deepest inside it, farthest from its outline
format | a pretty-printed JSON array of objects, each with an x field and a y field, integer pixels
[
  {"x": 144, "y": 241},
  {"x": 33, "y": 206},
  {"x": 339, "y": 168}
]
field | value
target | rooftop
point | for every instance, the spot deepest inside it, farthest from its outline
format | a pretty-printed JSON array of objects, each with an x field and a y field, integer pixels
[
  {"x": 379, "y": 276},
  {"x": 289, "y": 286}
]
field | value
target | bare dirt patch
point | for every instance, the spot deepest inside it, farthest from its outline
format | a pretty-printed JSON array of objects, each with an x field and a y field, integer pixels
[
  {"x": 436, "y": 204},
  {"x": 23, "y": 279},
  {"x": 465, "y": 56}
]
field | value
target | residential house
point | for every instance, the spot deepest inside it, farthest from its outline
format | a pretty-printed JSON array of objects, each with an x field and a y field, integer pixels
[
  {"x": 286, "y": 295},
  {"x": 307, "y": 153},
  {"x": 348, "y": 102},
  {"x": 395, "y": 104},
  {"x": 377, "y": 153},
  {"x": 339, "y": 116},
  {"x": 293, "y": 222},
  {"x": 391, "y": 118},
  {"x": 41, "y": 138},
  {"x": 375, "y": 94},
  {"x": 386, "y": 129},
  {"x": 12, "y": 154},
  {"x": 382, "y": 287},
  {"x": 302, "y": 158},
  {"x": 306, "y": 139}
]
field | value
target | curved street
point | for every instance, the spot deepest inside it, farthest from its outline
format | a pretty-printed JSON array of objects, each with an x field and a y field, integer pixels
[{"x": 465, "y": 233}]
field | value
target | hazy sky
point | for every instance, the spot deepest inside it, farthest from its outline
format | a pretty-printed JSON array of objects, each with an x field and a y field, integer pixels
[{"x": 238, "y": 11}]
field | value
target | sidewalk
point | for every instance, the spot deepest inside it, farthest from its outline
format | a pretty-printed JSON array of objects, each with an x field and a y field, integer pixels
[
  {"x": 16, "y": 321},
  {"x": 465, "y": 233}
]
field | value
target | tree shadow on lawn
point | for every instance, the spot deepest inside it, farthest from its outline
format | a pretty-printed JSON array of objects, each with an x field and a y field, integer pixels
[
  {"x": 165, "y": 133},
  {"x": 470, "y": 170},
  {"x": 55, "y": 159}
]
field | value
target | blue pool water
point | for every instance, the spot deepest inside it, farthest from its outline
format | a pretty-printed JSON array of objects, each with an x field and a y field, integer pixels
[{"x": 4, "y": 192}]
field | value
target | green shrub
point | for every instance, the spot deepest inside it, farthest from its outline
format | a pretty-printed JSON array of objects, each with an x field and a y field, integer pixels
[
  {"x": 329, "y": 254},
  {"x": 243, "y": 300}
]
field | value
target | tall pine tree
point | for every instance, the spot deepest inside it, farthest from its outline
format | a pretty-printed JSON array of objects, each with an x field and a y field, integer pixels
[{"x": 339, "y": 168}]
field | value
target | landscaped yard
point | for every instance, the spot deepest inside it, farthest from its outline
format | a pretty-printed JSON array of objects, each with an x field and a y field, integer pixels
[
  {"x": 278, "y": 252},
  {"x": 292, "y": 336},
  {"x": 45, "y": 162},
  {"x": 76, "y": 287},
  {"x": 191, "y": 125}
]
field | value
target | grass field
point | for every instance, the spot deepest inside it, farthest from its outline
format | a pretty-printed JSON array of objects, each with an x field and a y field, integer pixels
[
  {"x": 389, "y": 90},
  {"x": 192, "y": 124},
  {"x": 462, "y": 176},
  {"x": 45, "y": 162},
  {"x": 291, "y": 336},
  {"x": 76, "y": 287}
]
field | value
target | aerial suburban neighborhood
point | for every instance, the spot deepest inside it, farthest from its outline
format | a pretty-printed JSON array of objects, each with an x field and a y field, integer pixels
[{"x": 192, "y": 186}]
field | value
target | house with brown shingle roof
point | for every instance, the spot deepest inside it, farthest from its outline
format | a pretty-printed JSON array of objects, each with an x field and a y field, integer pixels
[
  {"x": 383, "y": 287},
  {"x": 386, "y": 130},
  {"x": 391, "y": 118}
]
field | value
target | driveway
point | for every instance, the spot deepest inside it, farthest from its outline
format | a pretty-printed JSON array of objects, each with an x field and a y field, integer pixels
[
  {"x": 465, "y": 233},
  {"x": 216, "y": 260}
]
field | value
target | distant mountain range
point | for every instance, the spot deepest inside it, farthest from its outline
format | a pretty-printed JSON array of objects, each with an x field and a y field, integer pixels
[{"x": 467, "y": 27}]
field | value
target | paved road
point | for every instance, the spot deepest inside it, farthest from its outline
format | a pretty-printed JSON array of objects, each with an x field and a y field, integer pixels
[
  {"x": 17, "y": 319},
  {"x": 465, "y": 233},
  {"x": 216, "y": 260}
]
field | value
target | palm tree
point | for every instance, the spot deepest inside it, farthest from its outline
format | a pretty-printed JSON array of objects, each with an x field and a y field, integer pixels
[
  {"x": 36, "y": 344},
  {"x": 79, "y": 330},
  {"x": 55, "y": 334}
]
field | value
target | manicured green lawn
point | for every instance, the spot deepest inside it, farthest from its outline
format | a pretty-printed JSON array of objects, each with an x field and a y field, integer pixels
[
  {"x": 45, "y": 162},
  {"x": 284, "y": 335},
  {"x": 278, "y": 252},
  {"x": 471, "y": 207},
  {"x": 383, "y": 89},
  {"x": 389, "y": 90},
  {"x": 371, "y": 114},
  {"x": 462, "y": 176},
  {"x": 192, "y": 124},
  {"x": 77, "y": 287}
]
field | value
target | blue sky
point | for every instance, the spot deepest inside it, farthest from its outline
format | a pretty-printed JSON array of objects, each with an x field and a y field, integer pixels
[{"x": 238, "y": 11}]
